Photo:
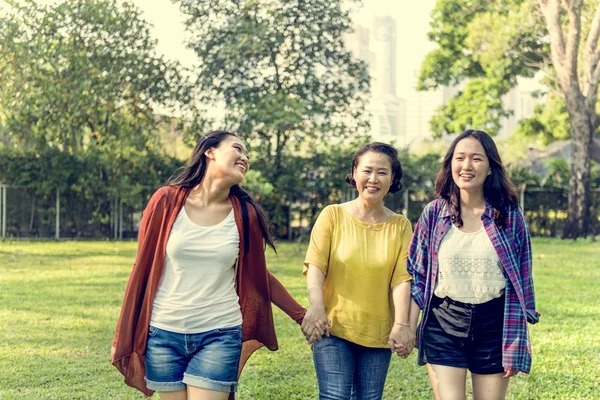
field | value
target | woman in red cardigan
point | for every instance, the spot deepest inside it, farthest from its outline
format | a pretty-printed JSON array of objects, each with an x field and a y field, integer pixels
[{"x": 198, "y": 301}]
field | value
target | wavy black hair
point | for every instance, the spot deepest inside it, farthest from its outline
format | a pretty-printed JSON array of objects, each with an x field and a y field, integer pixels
[
  {"x": 193, "y": 172},
  {"x": 498, "y": 190}
]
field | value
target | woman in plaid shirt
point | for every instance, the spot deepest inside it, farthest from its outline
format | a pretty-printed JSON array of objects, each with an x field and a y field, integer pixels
[{"x": 470, "y": 260}]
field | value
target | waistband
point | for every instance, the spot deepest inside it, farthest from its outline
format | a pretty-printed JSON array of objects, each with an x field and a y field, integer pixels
[{"x": 494, "y": 303}]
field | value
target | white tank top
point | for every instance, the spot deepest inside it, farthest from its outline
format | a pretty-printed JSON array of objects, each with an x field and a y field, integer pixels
[
  {"x": 469, "y": 268},
  {"x": 196, "y": 292}
]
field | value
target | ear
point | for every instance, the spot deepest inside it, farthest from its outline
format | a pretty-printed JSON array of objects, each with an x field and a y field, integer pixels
[
  {"x": 210, "y": 153},
  {"x": 489, "y": 171}
]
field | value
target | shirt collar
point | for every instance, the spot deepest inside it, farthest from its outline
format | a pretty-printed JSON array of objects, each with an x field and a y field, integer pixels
[{"x": 488, "y": 210}]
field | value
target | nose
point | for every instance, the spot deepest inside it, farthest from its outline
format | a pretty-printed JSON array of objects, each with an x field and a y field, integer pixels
[{"x": 467, "y": 164}]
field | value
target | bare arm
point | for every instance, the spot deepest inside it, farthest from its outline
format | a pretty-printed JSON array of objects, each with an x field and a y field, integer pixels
[
  {"x": 402, "y": 337},
  {"x": 315, "y": 323}
]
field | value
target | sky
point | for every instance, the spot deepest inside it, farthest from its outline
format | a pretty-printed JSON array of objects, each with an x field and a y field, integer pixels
[{"x": 412, "y": 26}]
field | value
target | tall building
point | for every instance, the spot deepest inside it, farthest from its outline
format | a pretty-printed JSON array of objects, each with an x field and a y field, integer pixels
[{"x": 377, "y": 47}]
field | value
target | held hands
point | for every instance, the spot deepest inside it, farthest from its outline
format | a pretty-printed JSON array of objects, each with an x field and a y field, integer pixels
[
  {"x": 315, "y": 324},
  {"x": 402, "y": 340}
]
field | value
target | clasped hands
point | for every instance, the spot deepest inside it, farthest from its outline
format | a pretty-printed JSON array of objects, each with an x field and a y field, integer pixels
[
  {"x": 315, "y": 325},
  {"x": 401, "y": 340}
]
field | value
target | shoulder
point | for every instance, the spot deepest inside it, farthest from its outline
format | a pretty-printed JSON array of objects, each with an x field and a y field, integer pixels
[
  {"x": 515, "y": 218},
  {"x": 164, "y": 195},
  {"x": 398, "y": 219},
  {"x": 434, "y": 208},
  {"x": 333, "y": 210}
]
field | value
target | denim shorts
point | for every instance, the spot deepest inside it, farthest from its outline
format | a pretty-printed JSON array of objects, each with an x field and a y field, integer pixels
[
  {"x": 207, "y": 360},
  {"x": 465, "y": 335}
]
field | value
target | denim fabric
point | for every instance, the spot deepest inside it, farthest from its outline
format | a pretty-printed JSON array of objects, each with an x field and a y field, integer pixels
[
  {"x": 208, "y": 360},
  {"x": 346, "y": 370}
]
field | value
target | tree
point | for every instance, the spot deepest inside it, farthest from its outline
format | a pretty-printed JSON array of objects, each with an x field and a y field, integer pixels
[
  {"x": 489, "y": 44},
  {"x": 82, "y": 78},
  {"x": 281, "y": 69},
  {"x": 83, "y": 73}
]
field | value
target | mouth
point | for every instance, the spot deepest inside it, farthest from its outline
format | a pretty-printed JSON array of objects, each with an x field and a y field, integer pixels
[
  {"x": 371, "y": 189},
  {"x": 242, "y": 166},
  {"x": 467, "y": 176}
]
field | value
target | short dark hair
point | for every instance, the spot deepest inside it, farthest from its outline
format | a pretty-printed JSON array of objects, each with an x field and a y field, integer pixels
[
  {"x": 498, "y": 190},
  {"x": 383, "y": 148}
]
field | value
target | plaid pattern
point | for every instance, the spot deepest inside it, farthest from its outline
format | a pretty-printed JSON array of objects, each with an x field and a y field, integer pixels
[{"x": 513, "y": 245}]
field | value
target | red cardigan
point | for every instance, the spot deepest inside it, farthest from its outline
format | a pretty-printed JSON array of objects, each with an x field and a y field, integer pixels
[{"x": 255, "y": 286}]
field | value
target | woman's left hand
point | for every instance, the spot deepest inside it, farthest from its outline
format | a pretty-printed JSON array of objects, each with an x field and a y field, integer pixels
[
  {"x": 402, "y": 340},
  {"x": 510, "y": 372}
]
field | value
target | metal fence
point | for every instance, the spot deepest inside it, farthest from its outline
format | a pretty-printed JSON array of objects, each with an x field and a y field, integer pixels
[{"x": 70, "y": 215}]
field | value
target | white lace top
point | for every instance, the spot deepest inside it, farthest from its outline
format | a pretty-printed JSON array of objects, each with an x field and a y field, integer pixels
[{"x": 469, "y": 268}]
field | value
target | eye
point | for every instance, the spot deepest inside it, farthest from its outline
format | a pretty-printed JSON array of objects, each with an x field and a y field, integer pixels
[{"x": 458, "y": 158}]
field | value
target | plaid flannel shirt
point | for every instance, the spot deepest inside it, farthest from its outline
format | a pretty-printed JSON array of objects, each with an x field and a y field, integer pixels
[{"x": 513, "y": 245}]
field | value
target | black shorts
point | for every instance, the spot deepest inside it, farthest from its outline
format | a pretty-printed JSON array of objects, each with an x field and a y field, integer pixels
[{"x": 465, "y": 335}]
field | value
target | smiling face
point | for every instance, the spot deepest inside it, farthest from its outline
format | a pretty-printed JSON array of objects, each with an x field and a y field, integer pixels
[
  {"x": 229, "y": 159},
  {"x": 470, "y": 165},
  {"x": 373, "y": 176}
]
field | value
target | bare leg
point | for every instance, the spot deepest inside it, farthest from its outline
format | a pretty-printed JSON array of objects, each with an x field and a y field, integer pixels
[
  {"x": 448, "y": 383},
  {"x": 489, "y": 387},
  {"x": 177, "y": 395},
  {"x": 196, "y": 393}
]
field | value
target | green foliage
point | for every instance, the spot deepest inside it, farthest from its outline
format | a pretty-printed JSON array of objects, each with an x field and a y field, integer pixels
[
  {"x": 256, "y": 184},
  {"x": 550, "y": 121},
  {"x": 482, "y": 97},
  {"x": 487, "y": 45},
  {"x": 83, "y": 73},
  {"x": 558, "y": 173},
  {"x": 281, "y": 69},
  {"x": 85, "y": 183},
  {"x": 523, "y": 177}
]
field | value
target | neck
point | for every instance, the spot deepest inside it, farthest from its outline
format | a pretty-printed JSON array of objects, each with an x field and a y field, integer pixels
[
  {"x": 211, "y": 191},
  {"x": 472, "y": 200},
  {"x": 369, "y": 207}
]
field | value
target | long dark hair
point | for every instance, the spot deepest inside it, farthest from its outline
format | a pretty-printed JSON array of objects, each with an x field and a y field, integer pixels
[
  {"x": 383, "y": 148},
  {"x": 498, "y": 190},
  {"x": 193, "y": 172}
]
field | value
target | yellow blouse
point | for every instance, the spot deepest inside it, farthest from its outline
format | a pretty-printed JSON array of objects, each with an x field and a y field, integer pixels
[{"x": 361, "y": 266}]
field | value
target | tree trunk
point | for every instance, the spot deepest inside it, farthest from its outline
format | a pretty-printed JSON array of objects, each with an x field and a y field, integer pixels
[{"x": 578, "y": 213}]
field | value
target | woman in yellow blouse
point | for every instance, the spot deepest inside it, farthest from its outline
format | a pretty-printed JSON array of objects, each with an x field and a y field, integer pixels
[{"x": 358, "y": 285}]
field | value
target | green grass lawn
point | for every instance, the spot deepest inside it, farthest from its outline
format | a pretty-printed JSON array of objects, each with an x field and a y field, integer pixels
[{"x": 59, "y": 303}]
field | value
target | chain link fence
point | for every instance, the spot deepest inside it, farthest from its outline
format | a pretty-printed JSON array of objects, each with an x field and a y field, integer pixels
[{"x": 69, "y": 214}]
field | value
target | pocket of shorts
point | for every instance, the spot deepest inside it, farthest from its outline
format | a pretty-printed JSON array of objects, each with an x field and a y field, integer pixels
[
  {"x": 152, "y": 331},
  {"x": 452, "y": 320},
  {"x": 234, "y": 330}
]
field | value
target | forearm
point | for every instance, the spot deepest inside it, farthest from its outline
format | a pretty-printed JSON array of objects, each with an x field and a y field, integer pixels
[
  {"x": 284, "y": 300},
  {"x": 413, "y": 317},
  {"x": 315, "y": 282},
  {"x": 401, "y": 299}
]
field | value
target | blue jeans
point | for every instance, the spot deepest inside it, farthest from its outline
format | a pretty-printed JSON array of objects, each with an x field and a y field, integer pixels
[{"x": 346, "y": 370}]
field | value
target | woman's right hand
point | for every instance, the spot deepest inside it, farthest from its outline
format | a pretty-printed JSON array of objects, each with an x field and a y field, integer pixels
[{"x": 315, "y": 324}]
